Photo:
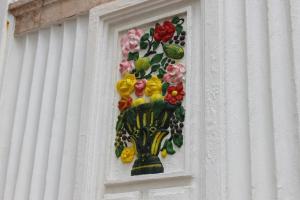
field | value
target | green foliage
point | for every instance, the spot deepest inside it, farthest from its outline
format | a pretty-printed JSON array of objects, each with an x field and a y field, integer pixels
[
  {"x": 169, "y": 147},
  {"x": 145, "y": 37},
  {"x": 178, "y": 140},
  {"x": 164, "y": 88},
  {"x": 118, "y": 150},
  {"x": 133, "y": 56},
  {"x": 180, "y": 113},
  {"x": 179, "y": 29},
  {"x": 157, "y": 58},
  {"x": 143, "y": 45},
  {"x": 154, "y": 68},
  {"x": 175, "y": 20}
]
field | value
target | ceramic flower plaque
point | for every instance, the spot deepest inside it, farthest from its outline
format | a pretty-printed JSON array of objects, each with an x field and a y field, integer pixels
[{"x": 151, "y": 90}]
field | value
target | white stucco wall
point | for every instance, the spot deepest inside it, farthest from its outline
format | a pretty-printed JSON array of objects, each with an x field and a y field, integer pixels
[{"x": 41, "y": 83}]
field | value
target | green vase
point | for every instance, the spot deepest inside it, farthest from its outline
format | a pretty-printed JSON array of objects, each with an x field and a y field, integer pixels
[{"x": 147, "y": 125}]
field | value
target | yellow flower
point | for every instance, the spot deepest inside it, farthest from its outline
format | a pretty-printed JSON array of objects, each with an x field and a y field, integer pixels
[
  {"x": 126, "y": 86},
  {"x": 156, "y": 97},
  {"x": 153, "y": 86},
  {"x": 127, "y": 154},
  {"x": 138, "y": 101},
  {"x": 164, "y": 153}
]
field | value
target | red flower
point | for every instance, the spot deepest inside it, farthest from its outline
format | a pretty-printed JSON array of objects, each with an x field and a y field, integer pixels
[
  {"x": 175, "y": 94},
  {"x": 125, "y": 103},
  {"x": 164, "y": 32}
]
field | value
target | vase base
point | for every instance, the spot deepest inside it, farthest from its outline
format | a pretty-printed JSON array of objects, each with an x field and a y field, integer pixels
[{"x": 149, "y": 165}]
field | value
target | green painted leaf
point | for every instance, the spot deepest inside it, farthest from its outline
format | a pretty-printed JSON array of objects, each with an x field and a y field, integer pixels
[
  {"x": 179, "y": 29},
  {"x": 148, "y": 76},
  {"x": 178, "y": 140},
  {"x": 163, "y": 62},
  {"x": 155, "y": 45},
  {"x": 145, "y": 37},
  {"x": 180, "y": 113},
  {"x": 133, "y": 56},
  {"x": 154, "y": 68},
  {"x": 118, "y": 150},
  {"x": 142, "y": 73},
  {"x": 164, "y": 88},
  {"x": 143, "y": 45},
  {"x": 151, "y": 31},
  {"x": 175, "y": 20},
  {"x": 169, "y": 147},
  {"x": 156, "y": 59}
]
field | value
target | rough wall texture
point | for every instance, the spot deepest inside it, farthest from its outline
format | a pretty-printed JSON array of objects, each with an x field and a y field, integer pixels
[{"x": 34, "y": 14}]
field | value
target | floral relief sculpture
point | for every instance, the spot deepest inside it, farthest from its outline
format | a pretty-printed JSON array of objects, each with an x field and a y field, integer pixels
[{"x": 151, "y": 90}]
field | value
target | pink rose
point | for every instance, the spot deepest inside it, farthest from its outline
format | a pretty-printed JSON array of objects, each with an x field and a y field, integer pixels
[
  {"x": 139, "y": 87},
  {"x": 125, "y": 66},
  {"x": 131, "y": 41},
  {"x": 175, "y": 74}
]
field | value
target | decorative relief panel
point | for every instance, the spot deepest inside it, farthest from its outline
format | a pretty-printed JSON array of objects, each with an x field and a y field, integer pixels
[{"x": 151, "y": 89}]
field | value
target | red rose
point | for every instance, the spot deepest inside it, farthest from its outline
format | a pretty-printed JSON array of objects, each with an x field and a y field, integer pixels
[
  {"x": 175, "y": 94},
  {"x": 125, "y": 103},
  {"x": 164, "y": 32}
]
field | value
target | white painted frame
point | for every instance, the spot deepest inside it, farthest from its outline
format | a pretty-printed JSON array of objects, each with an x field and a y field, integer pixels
[{"x": 206, "y": 117}]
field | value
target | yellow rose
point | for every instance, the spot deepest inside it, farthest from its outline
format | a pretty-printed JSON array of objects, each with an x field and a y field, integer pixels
[
  {"x": 138, "y": 101},
  {"x": 153, "y": 86},
  {"x": 156, "y": 97},
  {"x": 127, "y": 154},
  {"x": 126, "y": 86},
  {"x": 164, "y": 153}
]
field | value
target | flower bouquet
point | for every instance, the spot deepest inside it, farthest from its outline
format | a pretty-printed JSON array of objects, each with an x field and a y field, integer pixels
[{"x": 151, "y": 93}]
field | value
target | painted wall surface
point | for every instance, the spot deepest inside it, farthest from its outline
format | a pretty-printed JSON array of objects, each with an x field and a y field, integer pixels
[{"x": 256, "y": 46}]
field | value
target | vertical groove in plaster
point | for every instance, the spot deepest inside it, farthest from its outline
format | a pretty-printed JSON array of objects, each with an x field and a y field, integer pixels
[
  {"x": 69, "y": 153},
  {"x": 8, "y": 99},
  {"x": 284, "y": 102},
  {"x": 295, "y": 34},
  {"x": 30, "y": 131},
  {"x": 60, "y": 112},
  {"x": 46, "y": 116},
  {"x": 20, "y": 115},
  {"x": 260, "y": 111},
  {"x": 238, "y": 151}
]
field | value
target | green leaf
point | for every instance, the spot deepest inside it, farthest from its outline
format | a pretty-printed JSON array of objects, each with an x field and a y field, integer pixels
[
  {"x": 133, "y": 56},
  {"x": 118, "y": 150},
  {"x": 148, "y": 76},
  {"x": 155, "y": 45},
  {"x": 175, "y": 20},
  {"x": 142, "y": 73},
  {"x": 156, "y": 59},
  {"x": 143, "y": 45},
  {"x": 145, "y": 37},
  {"x": 179, "y": 29},
  {"x": 180, "y": 113},
  {"x": 151, "y": 31},
  {"x": 178, "y": 140},
  {"x": 169, "y": 147},
  {"x": 164, "y": 88},
  {"x": 120, "y": 123},
  {"x": 163, "y": 62},
  {"x": 154, "y": 68}
]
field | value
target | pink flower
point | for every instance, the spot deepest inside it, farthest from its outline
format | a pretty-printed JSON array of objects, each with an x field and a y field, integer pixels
[
  {"x": 131, "y": 41},
  {"x": 125, "y": 66},
  {"x": 139, "y": 87},
  {"x": 175, "y": 74}
]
